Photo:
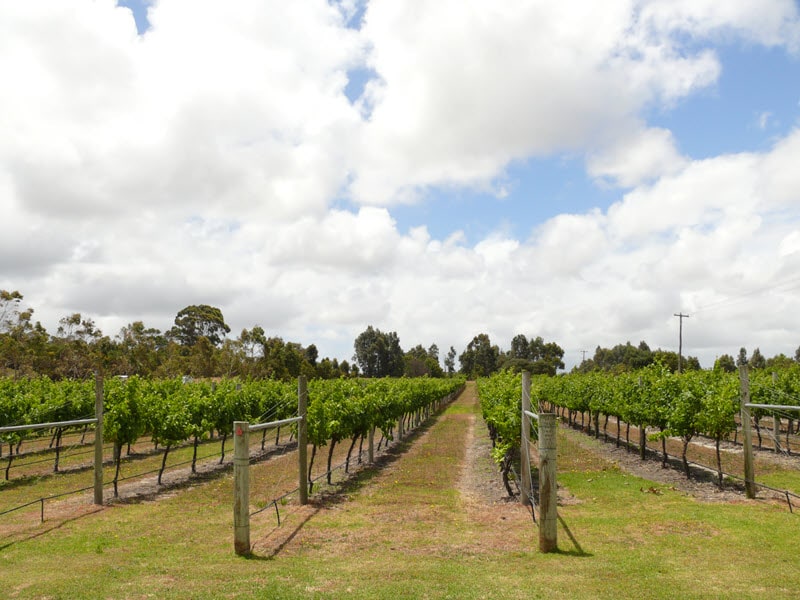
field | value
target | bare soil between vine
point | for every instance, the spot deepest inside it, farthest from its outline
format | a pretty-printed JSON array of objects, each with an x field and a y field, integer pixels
[{"x": 703, "y": 483}]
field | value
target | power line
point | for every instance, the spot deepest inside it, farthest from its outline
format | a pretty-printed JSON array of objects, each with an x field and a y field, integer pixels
[{"x": 792, "y": 283}]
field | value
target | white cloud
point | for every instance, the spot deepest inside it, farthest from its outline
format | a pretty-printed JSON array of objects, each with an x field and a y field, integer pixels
[
  {"x": 466, "y": 87},
  {"x": 640, "y": 158},
  {"x": 767, "y": 23},
  {"x": 790, "y": 244},
  {"x": 219, "y": 109},
  {"x": 214, "y": 158}
]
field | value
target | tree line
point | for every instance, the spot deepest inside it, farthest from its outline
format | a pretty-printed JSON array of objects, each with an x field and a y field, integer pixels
[
  {"x": 626, "y": 357},
  {"x": 199, "y": 345}
]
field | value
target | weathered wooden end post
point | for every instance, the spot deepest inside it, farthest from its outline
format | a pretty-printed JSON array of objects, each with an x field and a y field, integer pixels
[
  {"x": 241, "y": 487},
  {"x": 302, "y": 438},
  {"x": 98, "y": 438},
  {"x": 548, "y": 490},
  {"x": 749, "y": 473},
  {"x": 524, "y": 445}
]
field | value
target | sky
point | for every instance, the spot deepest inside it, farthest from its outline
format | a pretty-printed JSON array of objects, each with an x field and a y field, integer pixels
[{"x": 579, "y": 171}]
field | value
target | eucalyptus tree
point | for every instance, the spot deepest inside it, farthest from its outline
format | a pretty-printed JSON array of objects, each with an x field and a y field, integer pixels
[
  {"x": 378, "y": 354},
  {"x": 196, "y": 321}
]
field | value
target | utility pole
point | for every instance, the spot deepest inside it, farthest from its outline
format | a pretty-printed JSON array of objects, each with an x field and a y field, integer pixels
[
  {"x": 681, "y": 317},
  {"x": 583, "y": 352}
]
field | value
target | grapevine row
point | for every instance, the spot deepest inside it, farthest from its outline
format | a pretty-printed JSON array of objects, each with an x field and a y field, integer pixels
[
  {"x": 173, "y": 412},
  {"x": 674, "y": 405}
]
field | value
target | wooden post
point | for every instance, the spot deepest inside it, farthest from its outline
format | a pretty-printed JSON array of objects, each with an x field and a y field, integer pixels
[
  {"x": 371, "y": 445},
  {"x": 524, "y": 444},
  {"x": 98, "y": 438},
  {"x": 749, "y": 475},
  {"x": 302, "y": 438},
  {"x": 548, "y": 489},
  {"x": 241, "y": 487}
]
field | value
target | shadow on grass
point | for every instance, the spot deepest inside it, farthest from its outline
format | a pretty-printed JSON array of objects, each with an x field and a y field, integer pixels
[
  {"x": 364, "y": 473},
  {"x": 339, "y": 491},
  {"x": 53, "y": 526},
  {"x": 138, "y": 490},
  {"x": 207, "y": 471},
  {"x": 280, "y": 547},
  {"x": 577, "y": 549}
]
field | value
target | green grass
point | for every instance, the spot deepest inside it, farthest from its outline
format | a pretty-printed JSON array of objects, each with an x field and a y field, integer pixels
[
  {"x": 406, "y": 532},
  {"x": 784, "y": 480}
]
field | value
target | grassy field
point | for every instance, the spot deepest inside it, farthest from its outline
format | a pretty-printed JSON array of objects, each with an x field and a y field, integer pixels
[{"x": 410, "y": 530}]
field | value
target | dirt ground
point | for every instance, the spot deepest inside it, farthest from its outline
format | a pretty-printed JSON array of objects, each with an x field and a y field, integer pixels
[
  {"x": 703, "y": 483},
  {"x": 480, "y": 477},
  {"x": 482, "y": 481}
]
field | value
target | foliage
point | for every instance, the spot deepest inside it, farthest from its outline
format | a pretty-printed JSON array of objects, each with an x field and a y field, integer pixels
[
  {"x": 419, "y": 362},
  {"x": 627, "y": 357},
  {"x": 684, "y": 405},
  {"x": 500, "y": 397},
  {"x": 535, "y": 356},
  {"x": 172, "y": 411},
  {"x": 197, "y": 345},
  {"x": 378, "y": 354},
  {"x": 725, "y": 363},
  {"x": 199, "y": 321},
  {"x": 480, "y": 358}
]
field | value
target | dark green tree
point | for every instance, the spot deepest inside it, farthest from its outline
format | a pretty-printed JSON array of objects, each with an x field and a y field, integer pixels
[
  {"x": 520, "y": 347},
  {"x": 312, "y": 354},
  {"x": 139, "y": 348},
  {"x": 450, "y": 361},
  {"x": 535, "y": 355},
  {"x": 378, "y": 354},
  {"x": 725, "y": 363},
  {"x": 624, "y": 357},
  {"x": 480, "y": 358},
  {"x": 742, "y": 358},
  {"x": 420, "y": 362},
  {"x": 196, "y": 321},
  {"x": 16, "y": 331},
  {"x": 757, "y": 360},
  {"x": 779, "y": 362},
  {"x": 73, "y": 346}
]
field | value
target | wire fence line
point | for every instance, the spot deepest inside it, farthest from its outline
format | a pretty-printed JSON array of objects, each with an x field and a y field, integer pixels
[
  {"x": 776, "y": 391},
  {"x": 134, "y": 476},
  {"x": 358, "y": 458},
  {"x": 788, "y": 494},
  {"x": 322, "y": 477}
]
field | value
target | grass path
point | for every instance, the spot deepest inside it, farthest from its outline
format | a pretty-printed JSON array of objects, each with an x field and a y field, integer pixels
[
  {"x": 419, "y": 527},
  {"x": 422, "y": 504}
]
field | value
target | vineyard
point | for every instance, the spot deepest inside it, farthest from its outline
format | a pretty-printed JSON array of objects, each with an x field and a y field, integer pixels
[
  {"x": 428, "y": 519},
  {"x": 659, "y": 406},
  {"x": 145, "y": 420}
]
